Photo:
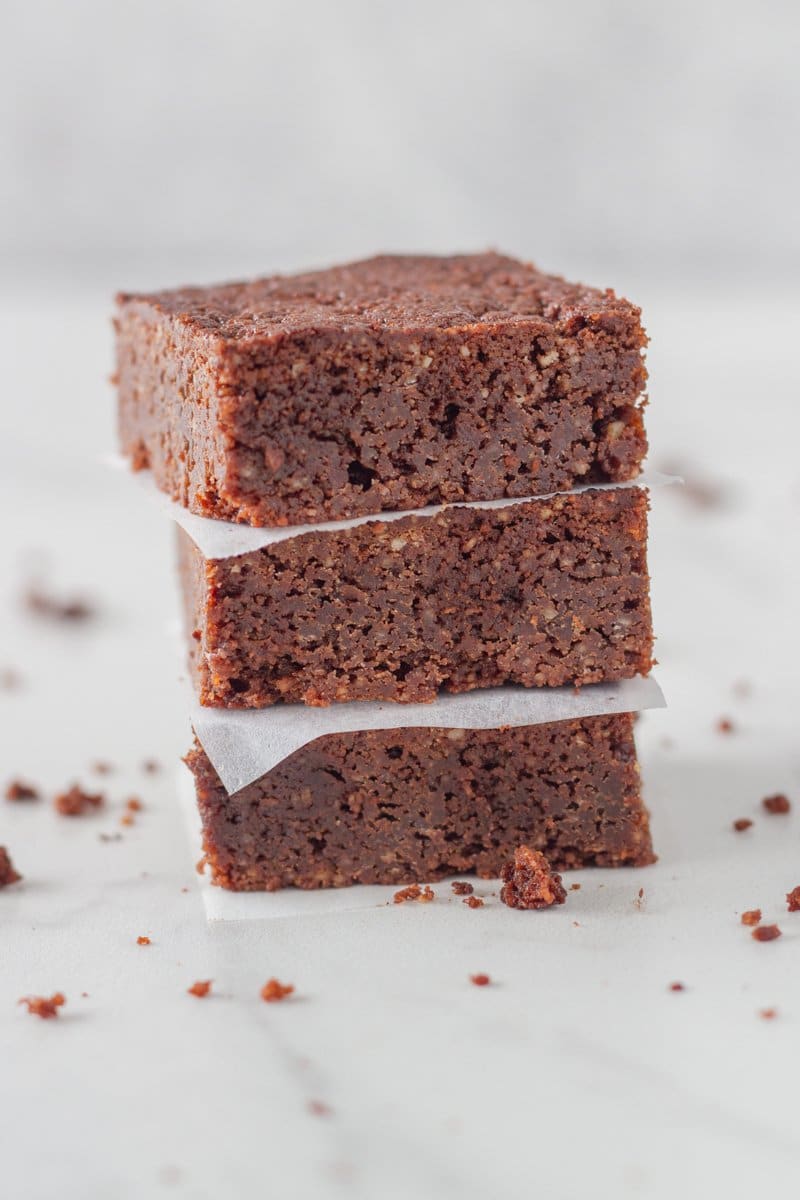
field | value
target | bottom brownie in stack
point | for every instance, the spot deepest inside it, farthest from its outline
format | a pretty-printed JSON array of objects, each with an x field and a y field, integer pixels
[{"x": 403, "y": 805}]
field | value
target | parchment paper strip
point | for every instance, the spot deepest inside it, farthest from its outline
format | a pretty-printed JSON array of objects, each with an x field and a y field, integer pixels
[
  {"x": 225, "y": 539},
  {"x": 244, "y": 744}
]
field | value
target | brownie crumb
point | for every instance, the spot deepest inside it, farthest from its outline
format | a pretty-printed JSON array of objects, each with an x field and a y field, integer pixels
[
  {"x": 318, "y": 1108},
  {"x": 640, "y": 900},
  {"x": 44, "y": 604},
  {"x": 725, "y": 725},
  {"x": 274, "y": 990},
  {"x": 473, "y": 901},
  {"x": 480, "y": 980},
  {"x": 151, "y": 766},
  {"x": 529, "y": 882},
  {"x": 793, "y": 899},
  {"x": 101, "y": 767},
  {"x": 677, "y": 987},
  {"x": 776, "y": 805},
  {"x": 133, "y": 805},
  {"x": 414, "y": 892},
  {"x": 200, "y": 865},
  {"x": 768, "y": 1014},
  {"x": 43, "y": 1006},
  {"x": 8, "y": 874},
  {"x": 752, "y": 916},
  {"x": 766, "y": 933},
  {"x": 462, "y": 888},
  {"x": 200, "y": 988},
  {"x": 19, "y": 792},
  {"x": 574, "y": 887},
  {"x": 143, "y": 941},
  {"x": 742, "y": 823},
  {"x": 75, "y": 802}
]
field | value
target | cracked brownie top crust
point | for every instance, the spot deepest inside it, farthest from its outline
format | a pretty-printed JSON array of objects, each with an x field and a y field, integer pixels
[
  {"x": 400, "y": 292},
  {"x": 387, "y": 384}
]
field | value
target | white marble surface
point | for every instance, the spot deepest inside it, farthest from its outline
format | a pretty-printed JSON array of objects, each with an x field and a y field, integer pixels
[{"x": 577, "y": 1073}]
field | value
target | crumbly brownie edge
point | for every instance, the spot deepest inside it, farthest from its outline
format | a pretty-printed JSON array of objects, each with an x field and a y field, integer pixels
[
  {"x": 391, "y": 806},
  {"x": 537, "y": 594},
  {"x": 168, "y": 413}
]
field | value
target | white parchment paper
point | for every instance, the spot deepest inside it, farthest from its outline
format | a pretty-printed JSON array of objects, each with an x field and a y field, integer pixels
[
  {"x": 243, "y": 744},
  {"x": 225, "y": 539}
]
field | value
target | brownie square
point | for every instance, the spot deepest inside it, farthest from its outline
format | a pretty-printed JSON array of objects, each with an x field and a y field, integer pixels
[
  {"x": 384, "y": 385},
  {"x": 410, "y": 805},
  {"x": 540, "y": 593}
]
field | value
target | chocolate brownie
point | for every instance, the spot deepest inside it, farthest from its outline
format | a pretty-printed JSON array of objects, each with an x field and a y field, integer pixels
[
  {"x": 393, "y": 806},
  {"x": 384, "y": 385},
  {"x": 545, "y": 592}
]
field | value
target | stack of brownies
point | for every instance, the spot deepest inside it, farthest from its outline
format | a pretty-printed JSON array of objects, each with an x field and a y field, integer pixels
[{"x": 418, "y": 437}]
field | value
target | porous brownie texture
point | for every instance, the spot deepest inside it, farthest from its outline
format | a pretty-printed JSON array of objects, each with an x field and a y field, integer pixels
[
  {"x": 393, "y": 806},
  {"x": 541, "y": 593},
  {"x": 384, "y": 385}
]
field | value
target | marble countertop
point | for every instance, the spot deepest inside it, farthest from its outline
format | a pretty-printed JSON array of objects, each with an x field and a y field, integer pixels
[{"x": 578, "y": 1072}]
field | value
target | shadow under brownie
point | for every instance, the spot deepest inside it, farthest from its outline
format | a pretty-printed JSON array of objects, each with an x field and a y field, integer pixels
[
  {"x": 382, "y": 385},
  {"x": 403, "y": 805}
]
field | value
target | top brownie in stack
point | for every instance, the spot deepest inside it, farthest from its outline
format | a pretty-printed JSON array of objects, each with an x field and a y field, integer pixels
[{"x": 388, "y": 384}]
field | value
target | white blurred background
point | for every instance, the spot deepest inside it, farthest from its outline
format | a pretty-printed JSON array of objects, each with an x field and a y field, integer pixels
[{"x": 171, "y": 140}]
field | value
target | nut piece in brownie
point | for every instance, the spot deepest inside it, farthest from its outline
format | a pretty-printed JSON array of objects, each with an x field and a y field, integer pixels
[
  {"x": 541, "y": 593},
  {"x": 391, "y": 805},
  {"x": 383, "y": 385}
]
